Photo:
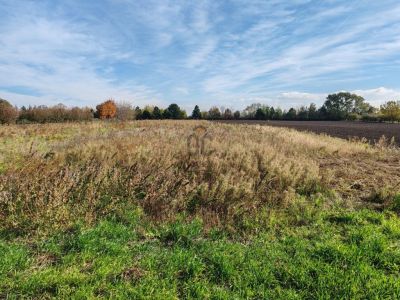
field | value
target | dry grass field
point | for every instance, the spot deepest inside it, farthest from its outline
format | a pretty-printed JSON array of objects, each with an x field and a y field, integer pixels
[{"x": 94, "y": 210}]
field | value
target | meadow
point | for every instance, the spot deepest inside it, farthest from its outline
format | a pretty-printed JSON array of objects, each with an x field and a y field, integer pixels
[{"x": 138, "y": 210}]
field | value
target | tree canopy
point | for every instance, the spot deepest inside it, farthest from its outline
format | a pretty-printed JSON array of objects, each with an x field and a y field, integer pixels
[{"x": 196, "y": 114}]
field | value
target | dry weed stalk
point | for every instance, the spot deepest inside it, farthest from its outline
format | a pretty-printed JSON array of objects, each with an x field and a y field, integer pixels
[{"x": 99, "y": 169}]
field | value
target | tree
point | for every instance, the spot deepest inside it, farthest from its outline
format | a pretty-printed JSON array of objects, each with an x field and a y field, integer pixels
[
  {"x": 303, "y": 114},
  {"x": 391, "y": 111},
  {"x": 250, "y": 111},
  {"x": 204, "y": 114},
  {"x": 125, "y": 111},
  {"x": 339, "y": 106},
  {"x": 157, "y": 113},
  {"x": 361, "y": 107},
  {"x": 271, "y": 114},
  {"x": 291, "y": 114},
  {"x": 312, "y": 112},
  {"x": 214, "y": 113},
  {"x": 8, "y": 114},
  {"x": 146, "y": 114},
  {"x": 228, "y": 114},
  {"x": 269, "y": 111},
  {"x": 236, "y": 115},
  {"x": 138, "y": 113},
  {"x": 278, "y": 114},
  {"x": 196, "y": 114},
  {"x": 166, "y": 114},
  {"x": 260, "y": 114},
  {"x": 107, "y": 109},
  {"x": 175, "y": 112}
]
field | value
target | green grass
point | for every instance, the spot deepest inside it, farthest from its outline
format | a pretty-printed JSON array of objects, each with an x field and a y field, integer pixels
[
  {"x": 304, "y": 252},
  {"x": 120, "y": 211}
]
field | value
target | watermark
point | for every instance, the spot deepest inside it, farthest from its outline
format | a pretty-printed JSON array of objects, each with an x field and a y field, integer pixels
[{"x": 196, "y": 142}]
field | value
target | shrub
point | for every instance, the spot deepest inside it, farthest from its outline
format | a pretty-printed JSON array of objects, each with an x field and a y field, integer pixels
[
  {"x": 371, "y": 118},
  {"x": 54, "y": 114},
  {"x": 391, "y": 111},
  {"x": 8, "y": 114},
  {"x": 107, "y": 109},
  {"x": 125, "y": 112},
  {"x": 214, "y": 113},
  {"x": 353, "y": 117}
]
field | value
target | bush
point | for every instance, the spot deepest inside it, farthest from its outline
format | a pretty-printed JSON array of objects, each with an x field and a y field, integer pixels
[
  {"x": 125, "y": 112},
  {"x": 391, "y": 111},
  {"x": 214, "y": 113},
  {"x": 353, "y": 117},
  {"x": 8, "y": 114},
  {"x": 371, "y": 118},
  {"x": 54, "y": 114},
  {"x": 107, "y": 109}
]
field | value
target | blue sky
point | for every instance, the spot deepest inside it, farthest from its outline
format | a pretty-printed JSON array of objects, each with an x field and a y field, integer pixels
[{"x": 224, "y": 53}]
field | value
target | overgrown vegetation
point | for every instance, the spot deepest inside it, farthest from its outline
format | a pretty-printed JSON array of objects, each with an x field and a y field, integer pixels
[{"x": 126, "y": 210}]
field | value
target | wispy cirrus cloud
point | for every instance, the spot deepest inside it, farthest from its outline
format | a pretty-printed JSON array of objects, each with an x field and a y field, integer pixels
[{"x": 228, "y": 53}]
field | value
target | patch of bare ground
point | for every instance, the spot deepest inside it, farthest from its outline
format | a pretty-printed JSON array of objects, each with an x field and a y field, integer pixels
[{"x": 371, "y": 132}]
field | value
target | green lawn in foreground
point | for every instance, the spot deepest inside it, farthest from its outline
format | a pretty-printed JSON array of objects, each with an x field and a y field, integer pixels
[{"x": 315, "y": 255}]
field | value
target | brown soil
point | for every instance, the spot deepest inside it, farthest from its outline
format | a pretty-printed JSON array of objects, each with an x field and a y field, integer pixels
[{"x": 342, "y": 129}]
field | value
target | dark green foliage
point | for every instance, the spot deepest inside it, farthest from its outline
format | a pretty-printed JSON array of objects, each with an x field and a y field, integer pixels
[
  {"x": 146, "y": 115},
  {"x": 166, "y": 114},
  {"x": 157, "y": 113},
  {"x": 313, "y": 112},
  {"x": 138, "y": 113},
  {"x": 196, "y": 114},
  {"x": 260, "y": 114},
  {"x": 302, "y": 113},
  {"x": 291, "y": 114},
  {"x": 339, "y": 106},
  {"x": 174, "y": 112}
]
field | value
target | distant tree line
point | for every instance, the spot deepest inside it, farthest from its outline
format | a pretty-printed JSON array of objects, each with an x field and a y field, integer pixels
[{"x": 339, "y": 106}]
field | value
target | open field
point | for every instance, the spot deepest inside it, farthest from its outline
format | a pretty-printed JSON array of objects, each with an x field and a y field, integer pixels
[
  {"x": 372, "y": 132},
  {"x": 137, "y": 210}
]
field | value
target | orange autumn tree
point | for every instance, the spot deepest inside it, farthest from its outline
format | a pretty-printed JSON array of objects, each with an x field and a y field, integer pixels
[{"x": 107, "y": 109}]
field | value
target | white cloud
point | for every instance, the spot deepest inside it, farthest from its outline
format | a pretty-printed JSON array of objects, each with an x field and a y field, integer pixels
[
  {"x": 229, "y": 53},
  {"x": 59, "y": 62},
  {"x": 379, "y": 95},
  {"x": 182, "y": 90},
  {"x": 199, "y": 56}
]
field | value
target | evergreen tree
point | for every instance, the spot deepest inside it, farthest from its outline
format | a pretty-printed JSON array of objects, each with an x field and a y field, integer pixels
[
  {"x": 196, "y": 114},
  {"x": 157, "y": 113},
  {"x": 175, "y": 112},
  {"x": 146, "y": 115},
  {"x": 260, "y": 114}
]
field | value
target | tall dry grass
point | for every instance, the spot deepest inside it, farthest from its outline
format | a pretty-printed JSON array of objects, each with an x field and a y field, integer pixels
[{"x": 53, "y": 175}]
